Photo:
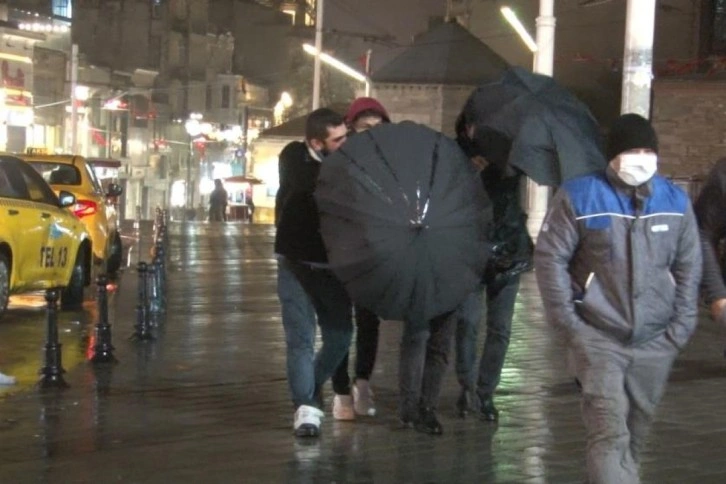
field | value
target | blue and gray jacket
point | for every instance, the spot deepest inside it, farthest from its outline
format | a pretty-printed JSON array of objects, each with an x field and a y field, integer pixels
[{"x": 625, "y": 261}]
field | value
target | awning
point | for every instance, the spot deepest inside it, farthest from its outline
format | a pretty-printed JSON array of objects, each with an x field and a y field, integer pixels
[
  {"x": 104, "y": 162},
  {"x": 243, "y": 179}
]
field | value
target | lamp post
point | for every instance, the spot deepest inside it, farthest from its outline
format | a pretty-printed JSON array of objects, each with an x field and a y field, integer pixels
[
  {"x": 318, "y": 48},
  {"x": 638, "y": 57},
  {"x": 193, "y": 127}
]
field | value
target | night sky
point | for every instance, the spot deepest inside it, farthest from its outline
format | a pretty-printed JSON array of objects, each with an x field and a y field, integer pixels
[{"x": 399, "y": 18}]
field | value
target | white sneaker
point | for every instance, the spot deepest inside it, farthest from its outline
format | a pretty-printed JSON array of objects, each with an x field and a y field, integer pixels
[
  {"x": 363, "y": 398},
  {"x": 6, "y": 379},
  {"x": 307, "y": 421},
  {"x": 343, "y": 407}
]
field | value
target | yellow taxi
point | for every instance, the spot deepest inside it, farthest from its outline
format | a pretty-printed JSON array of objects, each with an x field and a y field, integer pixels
[
  {"x": 93, "y": 206},
  {"x": 42, "y": 244}
]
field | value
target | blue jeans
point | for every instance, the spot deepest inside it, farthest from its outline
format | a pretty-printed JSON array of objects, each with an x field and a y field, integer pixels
[
  {"x": 500, "y": 310},
  {"x": 306, "y": 293}
]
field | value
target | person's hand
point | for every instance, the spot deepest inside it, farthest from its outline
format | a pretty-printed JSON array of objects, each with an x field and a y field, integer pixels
[
  {"x": 479, "y": 162},
  {"x": 718, "y": 311}
]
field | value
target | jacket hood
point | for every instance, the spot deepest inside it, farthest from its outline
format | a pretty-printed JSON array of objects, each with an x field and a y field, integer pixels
[{"x": 363, "y": 104}]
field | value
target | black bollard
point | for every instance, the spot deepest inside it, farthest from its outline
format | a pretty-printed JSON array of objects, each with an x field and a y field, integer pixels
[
  {"x": 52, "y": 372},
  {"x": 152, "y": 272},
  {"x": 143, "y": 328},
  {"x": 103, "y": 349}
]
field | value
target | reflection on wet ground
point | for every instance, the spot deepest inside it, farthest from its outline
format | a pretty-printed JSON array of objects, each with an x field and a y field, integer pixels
[{"x": 207, "y": 400}]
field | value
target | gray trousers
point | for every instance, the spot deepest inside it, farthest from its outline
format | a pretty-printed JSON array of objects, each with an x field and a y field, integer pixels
[
  {"x": 422, "y": 365},
  {"x": 621, "y": 387}
]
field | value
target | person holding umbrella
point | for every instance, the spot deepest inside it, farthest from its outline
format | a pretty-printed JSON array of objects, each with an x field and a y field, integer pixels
[
  {"x": 511, "y": 255},
  {"x": 709, "y": 207},
  {"x": 363, "y": 114},
  {"x": 618, "y": 264},
  {"x": 304, "y": 277}
]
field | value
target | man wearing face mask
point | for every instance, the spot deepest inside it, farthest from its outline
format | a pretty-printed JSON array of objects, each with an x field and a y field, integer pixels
[{"x": 618, "y": 264}]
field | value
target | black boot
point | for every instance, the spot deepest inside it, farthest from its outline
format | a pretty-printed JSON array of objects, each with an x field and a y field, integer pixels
[
  {"x": 487, "y": 410},
  {"x": 466, "y": 404},
  {"x": 427, "y": 422}
]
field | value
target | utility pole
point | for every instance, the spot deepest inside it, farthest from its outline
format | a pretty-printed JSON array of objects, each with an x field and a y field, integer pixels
[
  {"x": 74, "y": 107},
  {"x": 638, "y": 57},
  {"x": 319, "y": 49},
  {"x": 538, "y": 196}
]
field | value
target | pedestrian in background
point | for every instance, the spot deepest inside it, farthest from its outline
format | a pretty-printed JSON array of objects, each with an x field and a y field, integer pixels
[
  {"x": 363, "y": 114},
  {"x": 512, "y": 251},
  {"x": 218, "y": 202},
  {"x": 618, "y": 263},
  {"x": 303, "y": 273}
]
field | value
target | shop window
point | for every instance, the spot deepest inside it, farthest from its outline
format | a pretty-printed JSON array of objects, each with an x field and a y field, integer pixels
[
  {"x": 713, "y": 31},
  {"x": 62, "y": 8},
  {"x": 225, "y": 97}
]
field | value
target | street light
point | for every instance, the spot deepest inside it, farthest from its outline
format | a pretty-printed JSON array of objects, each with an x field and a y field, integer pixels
[
  {"x": 519, "y": 28},
  {"x": 342, "y": 67}
]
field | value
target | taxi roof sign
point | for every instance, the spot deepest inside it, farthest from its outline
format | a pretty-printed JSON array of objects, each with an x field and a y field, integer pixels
[{"x": 37, "y": 151}]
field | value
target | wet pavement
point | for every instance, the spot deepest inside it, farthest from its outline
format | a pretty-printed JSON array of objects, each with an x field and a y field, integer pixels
[{"x": 207, "y": 400}]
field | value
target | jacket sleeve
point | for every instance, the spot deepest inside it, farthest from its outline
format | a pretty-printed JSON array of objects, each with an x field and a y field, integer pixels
[
  {"x": 556, "y": 244},
  {"x": 709, "y": 208},
  {"x": 686, "y": 271},
  {"x": 295, "y": 181}
]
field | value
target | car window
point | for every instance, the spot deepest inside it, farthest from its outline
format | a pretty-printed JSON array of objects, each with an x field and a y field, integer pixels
[
  {"x": 38, "y": 189},
  {"x": 57, "y": 173},
  {"x": 94, "y": 179},
  {"x": 6, "y": 187}
]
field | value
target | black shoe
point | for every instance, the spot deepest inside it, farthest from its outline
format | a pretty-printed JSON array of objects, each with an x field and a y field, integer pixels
[
  {"x": 427, "y": 422},
  {"x": 487, "y": 410},
  {"x": 408, "y": 418},
  {"x": 464, "y": 404},
  {"x": 307, "y": 430}
]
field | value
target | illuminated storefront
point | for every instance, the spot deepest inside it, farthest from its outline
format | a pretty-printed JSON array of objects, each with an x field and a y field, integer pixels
[{"x": 16, "y": 88}]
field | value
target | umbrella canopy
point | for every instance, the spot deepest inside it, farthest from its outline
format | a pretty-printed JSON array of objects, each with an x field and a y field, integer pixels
[
  {"x": 243, "y": 179},
  {"x": 554, "y": 135},
  {"x": 403, "y": 216}
]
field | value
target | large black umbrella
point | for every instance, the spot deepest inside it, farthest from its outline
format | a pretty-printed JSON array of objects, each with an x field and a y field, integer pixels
[
  {"x": 554, "y": 136},
  {"x": 403, "y": 215}
]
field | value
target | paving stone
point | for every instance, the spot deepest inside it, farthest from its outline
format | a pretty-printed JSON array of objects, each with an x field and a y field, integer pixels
[{"x": 207, "y": 401}]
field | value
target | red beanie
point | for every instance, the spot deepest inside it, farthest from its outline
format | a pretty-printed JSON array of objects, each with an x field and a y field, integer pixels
[{"x": 363, "y": 104}]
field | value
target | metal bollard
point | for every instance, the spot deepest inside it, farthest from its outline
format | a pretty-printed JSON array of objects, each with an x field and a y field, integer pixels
[
  {"x": 160, "y": 279},
  {"x": 103, "y": 349},
  {"x": 52, "y": 372},
  {"x": 152, "y": 273},
  {"x": 143, "y": 328}
]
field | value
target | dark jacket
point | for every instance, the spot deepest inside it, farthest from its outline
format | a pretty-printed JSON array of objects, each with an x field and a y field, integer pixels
[
  {"x": 512, "y": 246},
  {"x": 710, "y": 208},
  {"x": 296, "y": 214},
  {"x": 626, "y": 263}
]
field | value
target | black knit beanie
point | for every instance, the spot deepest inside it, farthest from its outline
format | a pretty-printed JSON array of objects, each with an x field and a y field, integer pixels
[{"x": 629, "y": 132}]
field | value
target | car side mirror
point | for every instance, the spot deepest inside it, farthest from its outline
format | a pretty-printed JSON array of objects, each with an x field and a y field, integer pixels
[
  {"x": 66, "y": 199},
  {"x": 114, "y": 190}
]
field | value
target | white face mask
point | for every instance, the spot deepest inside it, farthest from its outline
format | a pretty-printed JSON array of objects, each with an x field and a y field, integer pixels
[{"x": 637, "y": 168}]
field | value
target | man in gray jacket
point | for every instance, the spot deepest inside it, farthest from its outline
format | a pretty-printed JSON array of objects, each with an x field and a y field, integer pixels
[{"x": 618, "y": 264}]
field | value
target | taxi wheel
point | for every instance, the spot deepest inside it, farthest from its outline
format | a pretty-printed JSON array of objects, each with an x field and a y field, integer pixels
[
  {"x": 72, "y": 295},
  {"x": 114, "y": 259},
  {"x": 4, "y": 283}
]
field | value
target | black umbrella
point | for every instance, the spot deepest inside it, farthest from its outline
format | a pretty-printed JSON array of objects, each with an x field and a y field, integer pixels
[
  {"x": 554, "y": 135},
  {"x": 403, "y": 215}
]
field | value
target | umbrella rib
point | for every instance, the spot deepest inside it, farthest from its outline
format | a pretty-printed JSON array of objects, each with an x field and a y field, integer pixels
[
  {"x": 388, "y": 166},
  {"x": 367, "y": 175}
]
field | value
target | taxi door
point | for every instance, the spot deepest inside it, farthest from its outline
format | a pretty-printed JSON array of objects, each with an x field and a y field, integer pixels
[
  {"x": 55, "y": 233},
  {"x": 29, "y": 226}
]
